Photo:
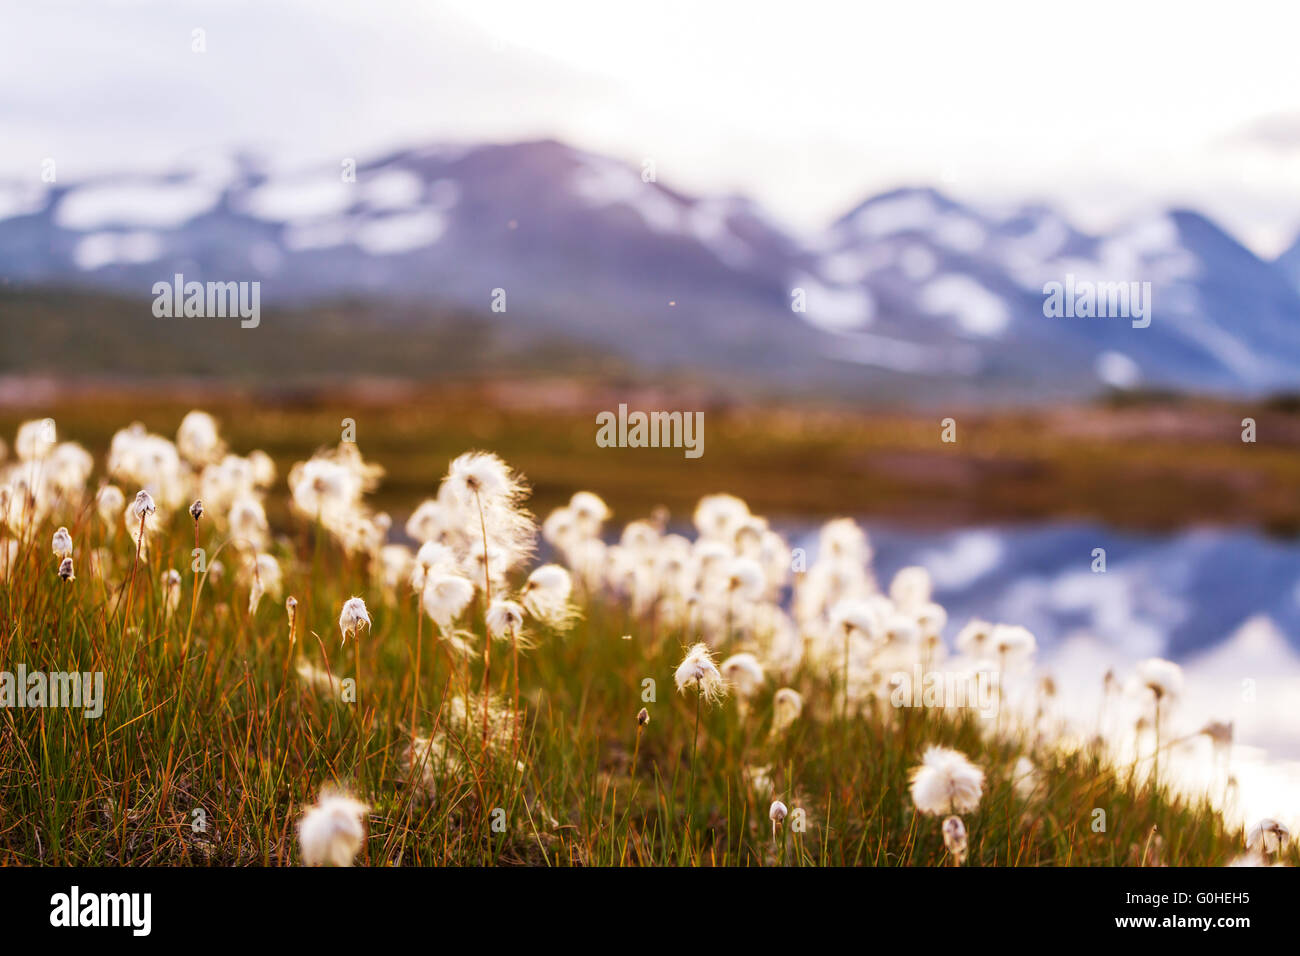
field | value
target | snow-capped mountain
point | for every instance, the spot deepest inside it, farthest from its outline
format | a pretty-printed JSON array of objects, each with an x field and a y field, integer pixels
[{"x": 910, "y": 292}]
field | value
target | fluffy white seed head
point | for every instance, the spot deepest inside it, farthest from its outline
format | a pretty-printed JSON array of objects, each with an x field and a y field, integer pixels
[
  {"x": 353, "y": 618},
  {"x": 482, "y": 476},
  {"x": 171, "y": 587},
  {"x": 35, "y": 439},
  {"x": 1012, "y": 644},
  {"x": 842, "y": 541},
  {"x": 719, "y": 517},
  {"x": 954, "y": 838},
  {"x": 505, "y": 620},
  {"x": 143, "y": 505},
  {"x": 589, "y": 512},
  {"x": 1267, "y": 837},
  {"x": 787, "y": 705},
  {"x": 975, "y": 640},
  {"x": 911, "y": 588},
  {"x": 698, "y": 671},
  {"x": 262, "y": 573},
  {"x": 743, "y": 579},
  {"x": 198, "y": 440},
  {"x": 744, "y": 673},
  {"x": 546, "y": 596},
  {"x": 109, "y": 502},
  {"x": 1163, "y": 679},
  {"x": 331, "y": 832},
  {"x": 446, "y": 594},
  {"x": 946, "y": 782}
]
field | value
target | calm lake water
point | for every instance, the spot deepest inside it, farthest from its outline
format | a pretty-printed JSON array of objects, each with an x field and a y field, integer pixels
[{"x": 1171, "y": 595}]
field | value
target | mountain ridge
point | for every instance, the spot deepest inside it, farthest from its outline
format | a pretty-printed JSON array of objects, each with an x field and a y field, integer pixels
[{"x": 908, "y": 292}]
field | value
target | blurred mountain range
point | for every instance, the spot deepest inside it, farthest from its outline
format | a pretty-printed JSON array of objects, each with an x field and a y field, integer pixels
[{"x": 910, "y": 294}]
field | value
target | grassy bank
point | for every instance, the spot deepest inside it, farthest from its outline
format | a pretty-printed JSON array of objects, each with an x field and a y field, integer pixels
[{"x": 211, "y": 743}]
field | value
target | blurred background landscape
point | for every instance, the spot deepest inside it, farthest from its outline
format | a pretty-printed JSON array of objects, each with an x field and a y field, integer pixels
[{"x": 653, "y": 192}]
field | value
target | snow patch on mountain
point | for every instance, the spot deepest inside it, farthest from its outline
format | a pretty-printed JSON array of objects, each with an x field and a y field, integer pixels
[
  {"x": 977, "y": 310},
  {"x": 158, "y": 205},
  {"x": 101, "y": 249}
]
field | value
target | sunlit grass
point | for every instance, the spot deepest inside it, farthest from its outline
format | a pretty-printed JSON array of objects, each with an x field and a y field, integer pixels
[{"x": 210, "y": 745}]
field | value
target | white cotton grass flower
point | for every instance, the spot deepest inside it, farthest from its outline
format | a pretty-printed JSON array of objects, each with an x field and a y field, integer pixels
[
  {"x": 954, "y": 838},
  {"x": 171, "y": 586},
  {"x": 263, "y": 576},
  {"x": 446, "y": 595},
  {"x": 198, "y": 439},
  {"x": 743, "y": 673},
  {"x": 263, "y": 466},
  {"x": 505, "y": 621},
  {"x": 325, "y": 486},
  {"x": 62, "y": 543},
  {"x": 332, "y": 831},
  {"x": 787, "y": 705},
  {"x": 329, "y": 487},
  {"x": 560, "y": 529},
  {"x": 1219, "y": 732},
  {"x": 698, "y": 671},
  {"x": 911, "y": 588},
  {"x": 353, "y": 617},
  {"x": 1163, "y": 679},
  {"x": 777, "y": 813},
  {"x": 639, "y": 537},
  {"x": 480, "y": 476},
  {"x": 67, "y": 469},
  {"x": 247, "y": 522},
  {"x": 321, "y": 681},
  {"x": 743, "y": 579},
  {"x": 397, "y": 568},
  {"x": 486, "y": 564},
  {"x": 899, "y": 633},
  {"x": 719, "y": 517},
  {"x": 139, "y": 519},
  {"x": 432, "y": 558},
  {"x": 975, "y": 640},
  {"x": 109, "y": 502},
  {"x": 143, "y": 506},
  {"x": 1267, "y": 837},
  {"x": 842, "y": 541},
  {"x": 35, "y": 439},
  {"x": 489, "y": 496},
  {"x": 589, "y": 512},
  {"x": 546, "y": 596},
  {"x": 1012, "y": 644},
  {"x": 66, "y": 571},
  {"x": 856, "y": 618},
  {"x": 136, "y": 457},
  {"x": 931, "y": 619},
  {"x": 946, "y": 782},
  {"x": 431, "y": 521}
]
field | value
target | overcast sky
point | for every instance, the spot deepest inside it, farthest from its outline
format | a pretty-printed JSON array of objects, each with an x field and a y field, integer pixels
[{"x": 1107, "y": 108}]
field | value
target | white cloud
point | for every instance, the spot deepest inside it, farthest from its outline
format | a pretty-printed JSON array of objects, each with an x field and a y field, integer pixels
[{"x": 1097, "y": 105}]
